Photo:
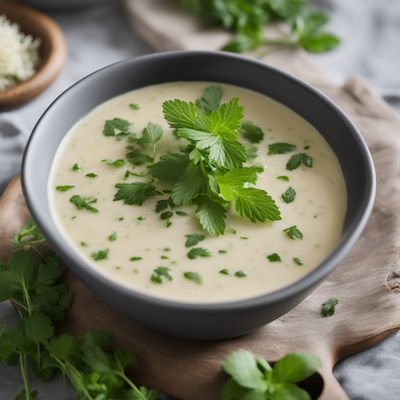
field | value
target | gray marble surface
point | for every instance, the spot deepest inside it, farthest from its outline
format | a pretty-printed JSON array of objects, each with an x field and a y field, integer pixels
[{"x": 96, "y": 37}]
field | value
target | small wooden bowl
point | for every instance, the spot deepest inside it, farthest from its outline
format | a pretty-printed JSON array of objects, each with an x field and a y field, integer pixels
[{"x": 52, "y": 52}]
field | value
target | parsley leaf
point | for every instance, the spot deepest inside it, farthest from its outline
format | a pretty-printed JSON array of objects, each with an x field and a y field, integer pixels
[
  {"x": 296, "y": 160},
  {"x": 100, "y": 255},
  {"x": 136, "y": 157},
  {"x": 64, "y": 188},
  {"x": 195, "y": 252},
  {"x": 116, "y": 127},
  {"x": 170, "y": 167},
  {"x": 151, "y": 134},
  {"x": 135, "y": 193},
  {"x": 76, "y": 167},
  {"x": 251, "y": 132},
  {"x": 328, "y": 308},
  {"x": 211, "y": 215},
  {"x": 297, "y": 261},
  {"x": 193, "y": 239},
  {"x": 280, "y": 148},
  {"x": 181, "y": 114},
  {"x": 274, "y": 257},
  {"x": 116, "y": 163},
  {"x": 29, "y": 235},
  {"x": 240, "y": 274},
  {"x": 293, "y": 233},
  {"x": 134, "y": 106},
  {"x": 193, "y": 276},
  {"x": 289, "y": 195},
  {"x": 188, "y": 185},
  {"x": 160, "y": 275},
  {"x": 84, "y": 202},
  {"x": 112, "y": 237},
  {"x": 210, "y": 99},
  {"x": 283, "y": 178},
  {"x": 91, "y": 175}
]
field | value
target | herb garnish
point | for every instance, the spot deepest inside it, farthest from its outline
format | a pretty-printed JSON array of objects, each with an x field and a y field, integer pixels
[
  {"x": 135, "y": 193},
  {"x": 114, "y": 163},
  {"x": 112, "y": 237},
  {"x": 135, "y": 258},
  {"x": 240, "y": 274},
  {"x": 251, "y": 132},
  {"x": 181, "y": 213},
  {"x": 64, "y": 188},
  {"x": 160, "y": 275},
  {"x": 293, "y": 233},
  {"x": 289, "y": 195},
  {"x": 280, "y": 148},
  {"x": 297, "y": 261},
  {"x": 76, "y": 167},
  {"x": 283, "y": 178},
  {"x": 328, "y": 308},
  {"x": 193, "y": 276},
  {"x": 254, "y": 378},
  {"x": 195, "y": 252},
  {"x": 100, "y": 255},
  {"x": 210, "y": 99},
  {"x": 193, "y": 239},
  {"x": 91, "y": 175},
  {"x": 27, "y": 237},
  {"x": 274, "y": 257},
  {"x": 84, "y": 202},
  {"x": 116, "y": 127},
  {"x": 224, "y": 271},
  {"x": 298, "y": 159},
  {"x": 134, "y": 106}
]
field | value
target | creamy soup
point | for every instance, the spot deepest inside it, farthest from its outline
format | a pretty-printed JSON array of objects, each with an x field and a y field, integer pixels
[{"x": 151, "y": 251}]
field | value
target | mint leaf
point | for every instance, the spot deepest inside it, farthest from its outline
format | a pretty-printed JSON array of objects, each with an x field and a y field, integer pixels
[
  {"x": 116, "y": 163},
  {"x": 116, "y": 127},
  {"x": 295, "y": 367},
  {"x": 289, "y": 195},
  {"x": 211, "y": 215},
  {"x": 135, "y": 193},
  {"x": 100, "y": 255},
  {"x": 293, "y": 233},
  {"x": 195, "y": 252},
  {"x": 193, "y": 239},
  {"x": 242, "y": 367},
  {"x": 329, "y": 307},
  {"x": 251, "y": 132},
  {"x": 170, "y": 167},
  {"x": 160, "y": 275},
  {"x": 280, "y": 148},
  {"x": 64, "y": 188},
  {"x": 193, "y": 276},
  {"x": 210, "y": 99},
  {"x": 84, "y": 202}
]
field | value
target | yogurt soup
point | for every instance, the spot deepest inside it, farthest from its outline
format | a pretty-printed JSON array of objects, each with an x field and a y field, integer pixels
[{"x": 221, "y": 195}]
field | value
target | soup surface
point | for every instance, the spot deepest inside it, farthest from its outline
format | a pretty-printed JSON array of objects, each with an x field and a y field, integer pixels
[{"x": 151, "y": 251}]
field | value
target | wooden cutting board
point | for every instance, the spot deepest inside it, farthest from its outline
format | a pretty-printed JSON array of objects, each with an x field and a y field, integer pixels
[{"x": 367, "y": 283}]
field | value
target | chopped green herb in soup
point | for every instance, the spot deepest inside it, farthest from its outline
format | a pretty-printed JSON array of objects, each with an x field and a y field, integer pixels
[{"x": 206, "y": 192}]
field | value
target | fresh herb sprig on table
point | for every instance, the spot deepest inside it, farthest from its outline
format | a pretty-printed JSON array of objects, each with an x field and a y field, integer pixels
[
  {"x": 30, "y": 279},
  {"x": 246, "y": 19},
  {"x": 209, "y": 173}
]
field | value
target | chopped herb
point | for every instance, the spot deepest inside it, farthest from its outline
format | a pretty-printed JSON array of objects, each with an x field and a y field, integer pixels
[
  {"x": 91, "y": 175},
  {"x": 274, "y": 257},
  {"x": 221, "y": 251},
  {"x": 136, "y": 157},
  {"x": 293, "y": 233},
  {"x": 197, "y": 252},
  {"x": 306, "y": 147},
  {"x": 251, "y": 132},
  {"x": 297, "y": 261},
  {"x": 328, "y": 308},
  {"x": 181, "y": 213},
  {"x": 193, "y": 239},
  {"x": 116, "y": 163},
  {"x": 112, "y": 237},
  {"x": 64, "y": 188},
  {"x": 296, "y": 160},
  {"x": 84, "y": 244},
  {"x": 116, "y": 127},
  {"x": 160, "y": 275},
  {"x": 151, "y": 135},
  {"x": 161, "y": 205},
  {"x": 135, "y": 258},
  {"x": 134, "y": 106},
  {"x": 164, "y": 257},
  {"x": 251, "y": 152},
  {"x": 193, "y": 276},
  {"x": 289, "y": 195},
  {"x": 30, "y": 235},
  {"x": 224, "y": 271},
  {"x": 167, "y": 249},
  {"x": 128, "y": 173},
  {"x": 169, "y": 223},
  {"x": 280, "y": 148},
  {"x": 210, "y": 100},
  {"x": 232, "y": 231},
  {"x": 120, "y": 218},
  {"x": 135, "y": 193},
  {"x": 76, "y": 167},
  {"x": 244, "y": 237},
  {"x": 283, "y": 178},
  {"x": 100, "y": 255},
  {"x": 140, "y": 218},
  {"x": 166, "y": 215},
  {"x": 84, "y": 202},
  {"x": 240, "y": 274}
]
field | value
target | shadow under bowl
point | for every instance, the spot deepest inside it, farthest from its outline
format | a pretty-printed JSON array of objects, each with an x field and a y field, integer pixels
[{"x": 198, "y": 321}]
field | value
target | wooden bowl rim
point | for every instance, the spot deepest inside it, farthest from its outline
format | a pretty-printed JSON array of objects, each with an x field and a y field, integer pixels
[{"x": 48, "y": 71}]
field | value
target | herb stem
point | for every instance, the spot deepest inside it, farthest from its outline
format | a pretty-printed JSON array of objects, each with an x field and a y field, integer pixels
[
  {"x": 138, "y": 393},
  {"x": 24, "y": 373},
  {"x": 26, "y": 298}
]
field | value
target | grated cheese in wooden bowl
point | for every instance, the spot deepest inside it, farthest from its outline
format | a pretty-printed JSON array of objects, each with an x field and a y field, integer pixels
[{"x": 19, "y": 54}]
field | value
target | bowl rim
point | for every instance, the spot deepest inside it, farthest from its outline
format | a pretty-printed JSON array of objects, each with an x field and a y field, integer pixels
[
  {"x": 301, "y": 285},
  {"x": 48, "y": 70}
]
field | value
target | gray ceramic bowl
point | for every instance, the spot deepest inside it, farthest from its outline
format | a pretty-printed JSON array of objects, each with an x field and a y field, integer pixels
[{"x": 198, "y": 321}]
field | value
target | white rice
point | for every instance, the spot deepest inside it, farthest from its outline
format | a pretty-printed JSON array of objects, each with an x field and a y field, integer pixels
[{"x": 19, "y": 54}]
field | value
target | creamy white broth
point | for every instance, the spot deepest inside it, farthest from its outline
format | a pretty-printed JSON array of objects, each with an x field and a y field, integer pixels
[{"x": 318, "y": 210}]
